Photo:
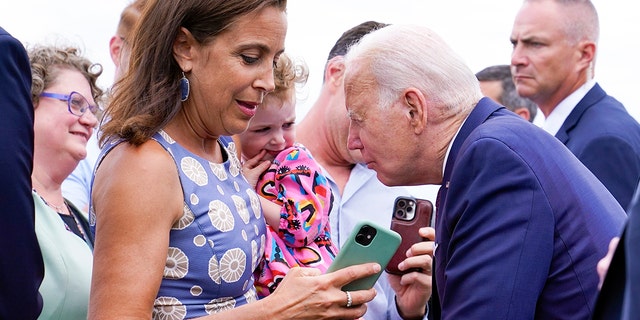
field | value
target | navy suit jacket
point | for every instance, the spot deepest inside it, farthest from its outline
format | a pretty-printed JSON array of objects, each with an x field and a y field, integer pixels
[
  {"x": 620, "y": 292},
  {"x": 521, "y": 224},
  {"x": 606, "y": 139},
  {"x": 21, "y": 267}
]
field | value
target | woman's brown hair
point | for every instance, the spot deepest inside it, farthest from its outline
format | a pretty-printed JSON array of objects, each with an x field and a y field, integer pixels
[{"x": 148, "y": 96}]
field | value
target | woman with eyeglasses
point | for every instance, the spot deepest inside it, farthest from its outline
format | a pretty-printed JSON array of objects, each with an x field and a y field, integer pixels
[{"x": 65, "y": 100}]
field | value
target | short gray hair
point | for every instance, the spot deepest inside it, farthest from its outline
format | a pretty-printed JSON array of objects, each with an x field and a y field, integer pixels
[{"x": 581, "y": 20}]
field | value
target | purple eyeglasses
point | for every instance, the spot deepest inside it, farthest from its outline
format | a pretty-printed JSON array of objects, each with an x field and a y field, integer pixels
[{"x": 76, "y": 103}]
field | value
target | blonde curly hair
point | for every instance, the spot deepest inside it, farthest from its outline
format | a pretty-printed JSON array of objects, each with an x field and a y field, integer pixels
[
  {"x": 47, "y": 60},
  {"x": 287, "y": 74}
]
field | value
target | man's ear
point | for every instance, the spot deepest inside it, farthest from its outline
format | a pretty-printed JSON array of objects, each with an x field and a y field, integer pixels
[
  {"x": 416, "y": 109},
  {"x": 587, "y": 51},
  {"x": 334, "y": 73},
  {"x": 524, "y": 113},
  {"x": 183, "y": 49},
  {"x": 115, "y": 47}
]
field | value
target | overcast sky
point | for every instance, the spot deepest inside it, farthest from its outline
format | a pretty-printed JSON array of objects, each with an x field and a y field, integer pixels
[{"x": 478, "y": 30}]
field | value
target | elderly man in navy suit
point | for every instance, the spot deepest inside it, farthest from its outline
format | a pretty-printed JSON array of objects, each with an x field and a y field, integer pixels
[
  {"x": 520, "y": 222},
  {"x": 554, "y": 53},
  {"x": 21, "y": 267}
]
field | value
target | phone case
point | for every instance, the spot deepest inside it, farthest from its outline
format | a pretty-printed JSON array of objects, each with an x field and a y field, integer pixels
[
  {"x": 409, "y": 215},
  {"x": 356, "y": 251}
]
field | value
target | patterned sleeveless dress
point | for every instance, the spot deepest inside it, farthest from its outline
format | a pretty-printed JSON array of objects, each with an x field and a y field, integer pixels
[{"x": 219, "y": 241}]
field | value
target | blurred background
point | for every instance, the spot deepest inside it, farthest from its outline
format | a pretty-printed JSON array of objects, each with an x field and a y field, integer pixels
[{"x": 478, "y": 30}]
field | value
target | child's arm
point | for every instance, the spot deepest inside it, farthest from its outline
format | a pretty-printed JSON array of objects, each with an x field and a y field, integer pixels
[
  {"x": 295, "y": 181},
  {"x": 252, "y": 169},
  {"x": 271, "y": 212}
]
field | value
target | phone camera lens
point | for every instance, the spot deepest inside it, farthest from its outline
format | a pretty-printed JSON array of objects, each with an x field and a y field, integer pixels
[{"x": 365, "y": 235}]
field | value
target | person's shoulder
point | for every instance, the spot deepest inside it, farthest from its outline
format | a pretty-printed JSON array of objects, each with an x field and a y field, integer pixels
[
  {"x": 148, "y": 156},
  {"x": 9, "y": 41},
  {"x": 608, "y": 119},
  {"x": 12, "y": 50},
  {"x": 513, "y": 137},
  {"x": 611, "y": 112},
  {"x": 505, "y": 127},
  {"x": 4, "y": 35},
  {"x": 598, "y": 106}
]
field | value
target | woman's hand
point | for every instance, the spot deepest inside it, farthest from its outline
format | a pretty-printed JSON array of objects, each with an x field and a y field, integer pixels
[
  {"x": 413, "y": 289},
  {"x": 305, "y": 293}
]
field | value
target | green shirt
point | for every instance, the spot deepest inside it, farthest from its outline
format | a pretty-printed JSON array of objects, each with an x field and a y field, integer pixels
[{"x": 68, "y": 262}]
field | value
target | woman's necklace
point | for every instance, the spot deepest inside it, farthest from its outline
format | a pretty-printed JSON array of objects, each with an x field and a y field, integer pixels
[
  {"x": 58, "y": 209},
  {"x": 72, "y": 225}
]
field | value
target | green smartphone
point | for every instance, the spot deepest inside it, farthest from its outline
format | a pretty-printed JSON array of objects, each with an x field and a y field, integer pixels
[{"x": 368, "y": 242}]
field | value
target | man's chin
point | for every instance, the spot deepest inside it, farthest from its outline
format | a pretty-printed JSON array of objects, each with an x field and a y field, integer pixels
[{"x": 388, "y": 182}]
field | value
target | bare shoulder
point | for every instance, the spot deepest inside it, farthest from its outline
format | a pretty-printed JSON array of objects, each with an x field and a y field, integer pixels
[
  {"x": 141, "y": 178},
  {"x": 147, "y": 155}
]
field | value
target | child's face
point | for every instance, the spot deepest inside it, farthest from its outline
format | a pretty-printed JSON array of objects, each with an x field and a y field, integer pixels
[{"x": 271, "y": 129}]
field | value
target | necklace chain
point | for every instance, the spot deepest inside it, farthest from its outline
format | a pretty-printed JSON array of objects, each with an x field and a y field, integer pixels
[{"x": 58, "y": 209}]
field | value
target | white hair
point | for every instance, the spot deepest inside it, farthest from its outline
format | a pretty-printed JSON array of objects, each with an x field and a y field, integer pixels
[{"x": 403, "y": 56}]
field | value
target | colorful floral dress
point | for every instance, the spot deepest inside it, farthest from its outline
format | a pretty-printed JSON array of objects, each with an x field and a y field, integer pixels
[
  {"x": 295, "y": 182},
  {"x": 219, "y": 241}
]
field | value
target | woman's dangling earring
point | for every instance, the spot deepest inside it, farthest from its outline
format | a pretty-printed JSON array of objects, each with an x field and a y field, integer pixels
[{"x": 184, "y": 88}]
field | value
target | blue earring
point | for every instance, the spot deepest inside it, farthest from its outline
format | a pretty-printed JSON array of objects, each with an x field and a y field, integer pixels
[{"x": 184, "y": 88}]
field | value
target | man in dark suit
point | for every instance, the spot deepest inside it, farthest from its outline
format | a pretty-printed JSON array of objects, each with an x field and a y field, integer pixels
[
  {"x": 622, "y": 282},
  {"x": 520, "y": 222},
  {"x": 554, "y": 50},
  {"x": 496, "y": 83},
  {"x": 21, "y": 267}
]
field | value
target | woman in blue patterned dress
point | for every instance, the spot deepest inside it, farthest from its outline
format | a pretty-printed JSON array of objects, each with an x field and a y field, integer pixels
[{"x": 178, "y": 229}]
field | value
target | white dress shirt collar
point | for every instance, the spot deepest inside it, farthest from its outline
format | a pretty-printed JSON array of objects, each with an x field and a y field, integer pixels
[
  {"x": 446, "y": 155},
  {"x": 559, "y": 114}
]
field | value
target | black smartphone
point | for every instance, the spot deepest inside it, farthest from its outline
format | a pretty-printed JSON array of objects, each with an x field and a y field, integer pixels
[
  {"x": 368, "y": 242},
  {"x": 409, "y": 215}
]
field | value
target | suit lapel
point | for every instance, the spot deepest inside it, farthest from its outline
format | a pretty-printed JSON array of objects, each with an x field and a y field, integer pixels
[
  {"x": 478, "y": 115},
  {"x": 594, "y": 95}
]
